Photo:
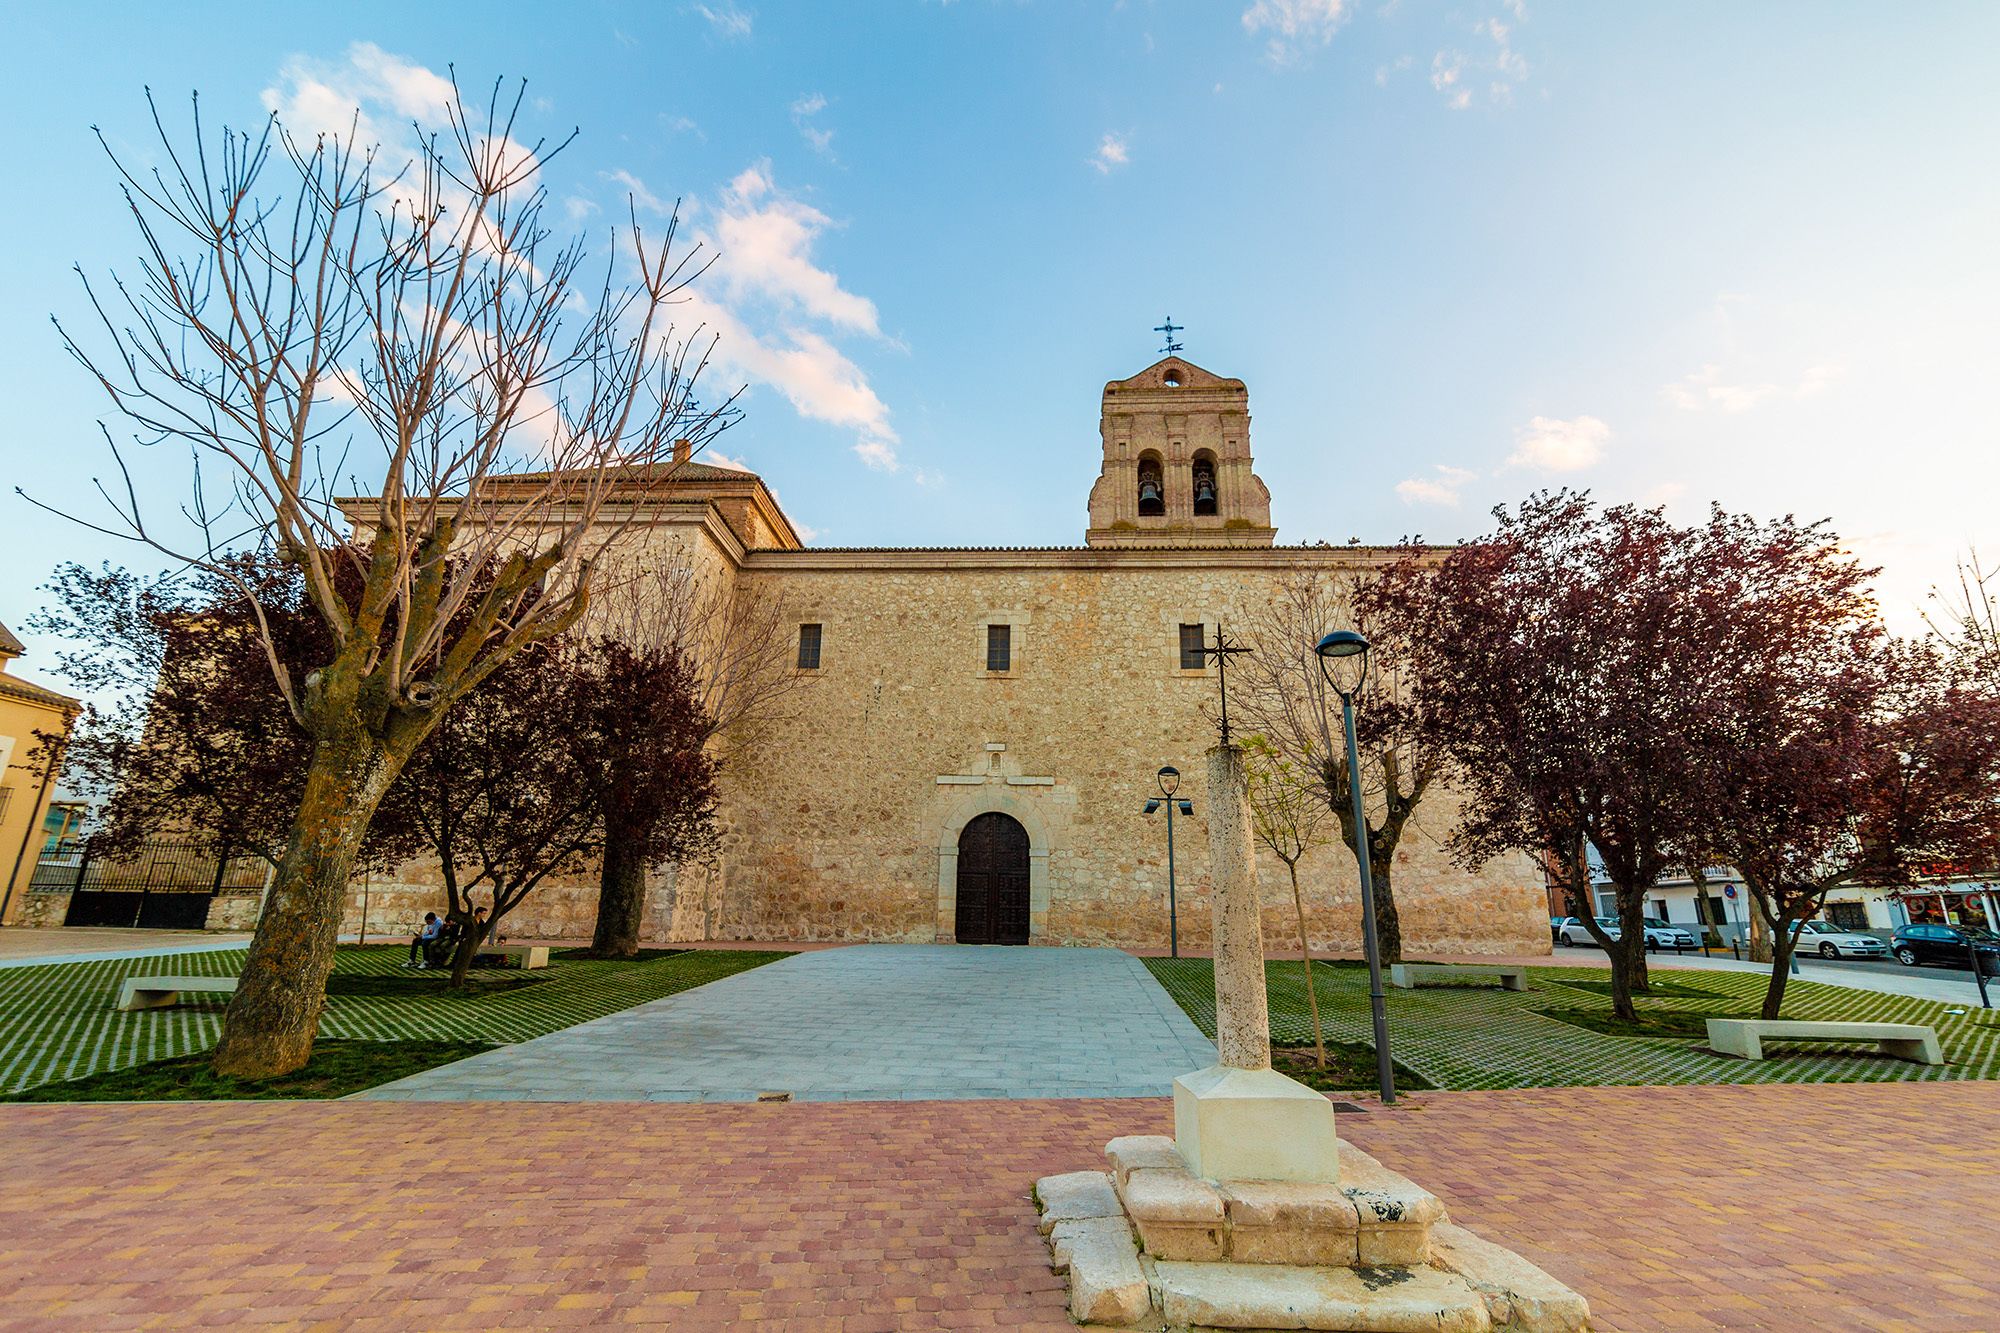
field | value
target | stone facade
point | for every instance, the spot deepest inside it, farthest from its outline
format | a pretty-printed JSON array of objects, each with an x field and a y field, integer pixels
[{"x": 841, "y": 818}]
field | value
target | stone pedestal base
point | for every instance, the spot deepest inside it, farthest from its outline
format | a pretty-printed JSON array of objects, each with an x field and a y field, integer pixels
[
  {"x": 1254, "y": 1124},
  {"x": 1153, "y": 1244}
]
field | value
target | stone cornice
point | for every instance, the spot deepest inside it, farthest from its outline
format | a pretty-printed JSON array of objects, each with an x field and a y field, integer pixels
[{"x": 1276, "y": 559}]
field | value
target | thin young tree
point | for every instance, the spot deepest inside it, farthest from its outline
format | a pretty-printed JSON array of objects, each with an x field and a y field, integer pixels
[
  {"x": 719, "y": 658},
  {"x": 1289, "y": 816},
  {"x": 1279, "y": 692},
  {"x": 317, "y": 307}
]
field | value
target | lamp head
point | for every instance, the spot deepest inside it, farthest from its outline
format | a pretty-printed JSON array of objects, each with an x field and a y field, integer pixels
[
  {"x": 1341, "y": 643},
  {"x": 1187, "y": 807},
  {"x": 1170, "y": 779},
  {"x": 1152, "y": 806}
]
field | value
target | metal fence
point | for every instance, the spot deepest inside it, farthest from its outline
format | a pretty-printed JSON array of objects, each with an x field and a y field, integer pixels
[{"x": 161, "y": 884}]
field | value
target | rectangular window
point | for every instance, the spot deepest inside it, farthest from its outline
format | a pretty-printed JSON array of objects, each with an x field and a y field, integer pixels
[
  {"x": 999, "y": 647},
  {"x": 1191, "y": 644},
  {"x": 809, "y": 647}
]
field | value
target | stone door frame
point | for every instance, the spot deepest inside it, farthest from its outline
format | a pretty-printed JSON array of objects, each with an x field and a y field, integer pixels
[{"x": 992, "y": 799}]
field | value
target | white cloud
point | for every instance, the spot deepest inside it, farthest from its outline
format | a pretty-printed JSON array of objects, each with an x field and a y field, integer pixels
[
  {"x": 1443, "y": 489},
  {"x": 727, "y": 22},
  {"x": 766, "y": 237},
  {"x": 1704, "y": 390},
  {"x": 1294, "y": 26},
  {"x": 635, "y": 190},
  {"x": 1383, "y": 72},
  {"x": 803, "y": 110},
  {"x": 766, "y": 295},
  {"x": 1111, "y": 152},
  {"x": 578, "y": 208},
  {"x": 1554, "y": 445},
  {"x": 1502, "y": 68}
]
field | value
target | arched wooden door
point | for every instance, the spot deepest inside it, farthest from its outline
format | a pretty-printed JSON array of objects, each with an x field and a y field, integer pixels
[{"x": 993, "y": 881}]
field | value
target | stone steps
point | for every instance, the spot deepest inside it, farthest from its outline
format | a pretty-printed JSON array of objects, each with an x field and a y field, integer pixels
[{"x": 1269, "y": 1296}]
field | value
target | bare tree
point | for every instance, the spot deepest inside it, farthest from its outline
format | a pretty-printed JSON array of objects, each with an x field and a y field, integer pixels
[
  {"x": 731, "y": 645},
  {"x": 1288, "y": 814},
  {"x": 1967, "y": 620},
  {"x": 313, "y": 307},
  {"x": 1281, "y": 695}
]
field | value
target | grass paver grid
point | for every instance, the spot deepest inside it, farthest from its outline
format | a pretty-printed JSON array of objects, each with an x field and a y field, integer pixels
[
  {"x": 1483, "y": 1037},
  {"x": 60, "y": 1022}
]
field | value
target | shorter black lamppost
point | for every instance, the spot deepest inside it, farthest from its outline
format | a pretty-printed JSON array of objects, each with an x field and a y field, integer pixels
[
  {"x": 1170, "y": 782},
  {"x": 1335, "y": 646}
]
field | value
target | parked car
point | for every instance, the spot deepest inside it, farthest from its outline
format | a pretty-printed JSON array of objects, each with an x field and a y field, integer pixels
[
  {"x": 1666, "y": 935},
  {"x": 1830, "y": 941},
  {"x": 1950, "y": 945},
  {"x": 1556, "y": 929},
  {"x": 1571, "y": 930}
]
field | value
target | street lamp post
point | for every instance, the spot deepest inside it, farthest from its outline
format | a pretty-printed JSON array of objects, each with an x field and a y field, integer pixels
[
  {"x": 1336, "y": 645},
  {"x": 1170, "y": 782}
]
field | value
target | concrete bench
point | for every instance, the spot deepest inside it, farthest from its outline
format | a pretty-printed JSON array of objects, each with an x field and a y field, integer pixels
[
  {"x": 1409, "y": 976},
  {"x": 520, "y": 955},
  {"x": 1745, "y": 1037},
  {"x": 160, "y": 992}
]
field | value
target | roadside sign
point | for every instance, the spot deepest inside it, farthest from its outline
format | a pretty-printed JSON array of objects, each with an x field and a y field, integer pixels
[{"x": 1729, "y": 890}]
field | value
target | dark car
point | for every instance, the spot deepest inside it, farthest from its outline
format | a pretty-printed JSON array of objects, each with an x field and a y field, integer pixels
[{"x": 1950, "y": 945}]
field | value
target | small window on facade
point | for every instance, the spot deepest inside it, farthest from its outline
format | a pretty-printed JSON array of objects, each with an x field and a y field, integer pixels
[
  {"x": 999, "y": 647},
  {"x": 1191, "y": 641},
  {"x": 809, "y": 647}
]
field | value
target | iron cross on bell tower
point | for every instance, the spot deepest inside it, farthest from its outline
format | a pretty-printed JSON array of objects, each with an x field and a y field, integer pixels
[
  {"x": 1169, "y": 329},
  {"x": 1224, "y": 649}
]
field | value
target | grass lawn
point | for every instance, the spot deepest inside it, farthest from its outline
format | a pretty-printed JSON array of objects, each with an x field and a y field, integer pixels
[
  {"x": 1560, "y": 1032},
  {"x": 58, "y": 1023},
  {"x": 336, "y": 1069}
]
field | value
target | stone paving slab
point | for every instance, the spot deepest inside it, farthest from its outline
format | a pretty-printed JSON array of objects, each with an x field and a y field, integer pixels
[
  {"x": 877, "y": 1022},
  {"x": 1857, "y": 1207}
]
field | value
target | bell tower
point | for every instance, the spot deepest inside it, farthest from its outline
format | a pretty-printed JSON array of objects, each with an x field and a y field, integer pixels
[{"x": 1176, "y": 468}]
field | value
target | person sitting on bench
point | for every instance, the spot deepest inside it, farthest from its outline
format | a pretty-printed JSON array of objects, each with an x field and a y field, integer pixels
[{"x": 430, "y": 932}]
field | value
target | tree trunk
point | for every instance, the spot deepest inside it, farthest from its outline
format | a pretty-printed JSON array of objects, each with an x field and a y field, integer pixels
[
  {"x": 274, "y": 1016},
  {"x": 1306, "y": 959},
  {"x": 1760, "y": 930},
  {"x": 1781, "y": 970},
  {"x": 621, "y": 900},
  {"x": 471, "y": 936},
  {"x": 1388, "y": 926}
]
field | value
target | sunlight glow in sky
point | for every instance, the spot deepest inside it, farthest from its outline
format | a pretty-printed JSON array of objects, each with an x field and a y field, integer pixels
[{"x": 1674, "y": 254}]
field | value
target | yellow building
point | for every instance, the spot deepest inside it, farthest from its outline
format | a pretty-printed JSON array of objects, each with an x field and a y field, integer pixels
[{"x": 28, "y": 765}]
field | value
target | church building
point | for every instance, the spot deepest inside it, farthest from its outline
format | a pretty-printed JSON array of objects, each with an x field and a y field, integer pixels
[{"x": 971, "y": 751}]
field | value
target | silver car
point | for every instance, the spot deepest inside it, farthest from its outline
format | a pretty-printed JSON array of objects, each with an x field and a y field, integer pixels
[{"x": 1830, "y": 941}]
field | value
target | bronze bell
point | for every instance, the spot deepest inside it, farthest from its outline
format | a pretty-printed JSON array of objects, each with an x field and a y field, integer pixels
[
  {"x": 1204, "y": 488},
  {"x": 1149, "y": 489}
]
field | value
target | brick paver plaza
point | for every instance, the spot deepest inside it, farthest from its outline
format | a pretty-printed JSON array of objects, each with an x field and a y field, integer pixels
[{"x": 1792, "y": 1207}]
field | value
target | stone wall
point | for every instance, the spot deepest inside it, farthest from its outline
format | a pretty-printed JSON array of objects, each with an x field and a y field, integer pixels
[{"x": 841, "y": 822}]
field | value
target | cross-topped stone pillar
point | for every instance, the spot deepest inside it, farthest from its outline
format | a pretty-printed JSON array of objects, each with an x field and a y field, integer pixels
[
  {"x": 1242, "y": 1016},
  {"x": 1241, "y": 1119}
]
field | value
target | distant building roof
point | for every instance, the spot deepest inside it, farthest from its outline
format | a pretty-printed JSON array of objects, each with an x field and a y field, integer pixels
[{"x": 9, "y": 645}]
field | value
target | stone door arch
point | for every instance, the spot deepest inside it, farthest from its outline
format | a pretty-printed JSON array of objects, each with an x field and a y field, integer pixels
[{"x": 992, "y": 898}]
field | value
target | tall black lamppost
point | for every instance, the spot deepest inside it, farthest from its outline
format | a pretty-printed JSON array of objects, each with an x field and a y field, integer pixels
[
  {"x": 1335, "y": 646},
  {"x": 1170, "y": 782}
]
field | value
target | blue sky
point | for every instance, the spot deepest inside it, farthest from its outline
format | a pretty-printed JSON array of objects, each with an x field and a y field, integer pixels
[{"x": 1674, "y": 253}]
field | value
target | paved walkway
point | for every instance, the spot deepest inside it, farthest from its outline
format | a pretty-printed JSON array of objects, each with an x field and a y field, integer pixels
[
  {"x": 870, "y": 1022},
  {"x": 33, "y": 946},
  {"x": 1849, "y": 1207}
]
